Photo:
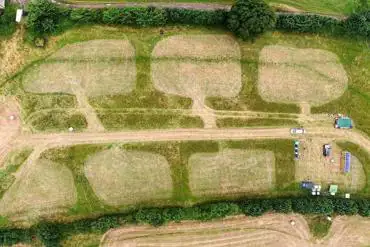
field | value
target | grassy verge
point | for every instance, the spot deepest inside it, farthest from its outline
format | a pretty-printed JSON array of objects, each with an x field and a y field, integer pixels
[
  {"x": 364, "y": 158},
  {"x": 13, "y": 161},
  {"x": 253, "y": 122},
  {"x": 118, "y": 121},
  {"x": 319, "y": 226},
  {"x": 57, "y": 120}
]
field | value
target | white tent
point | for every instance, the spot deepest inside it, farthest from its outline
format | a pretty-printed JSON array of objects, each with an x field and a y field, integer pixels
[{"x": 2, "y": 4}]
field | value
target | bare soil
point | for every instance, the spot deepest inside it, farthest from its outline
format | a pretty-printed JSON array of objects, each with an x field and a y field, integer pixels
[
  {"x": 232, "y": 171},
  {"x": 294, "y": 75},
  {"x": 121, "y": 177},
  {"x": 46, "y": 188}
]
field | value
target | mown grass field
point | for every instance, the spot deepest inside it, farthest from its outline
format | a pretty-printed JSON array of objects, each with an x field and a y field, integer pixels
[
  {"x": 122, "y": 110},
  {"x": 177, "y": 155}
]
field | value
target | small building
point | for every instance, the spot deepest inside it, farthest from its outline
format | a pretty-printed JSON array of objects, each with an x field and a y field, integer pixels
[
  {"x": 333, "y": 189},
  {"x": 343, "y": 123},
  {"x": 346, "y": 156}
]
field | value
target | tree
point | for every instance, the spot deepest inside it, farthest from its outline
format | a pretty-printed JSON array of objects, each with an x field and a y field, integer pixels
[
  {"x": 358, "y": 24},
  {"x": 49, "y": 234},
  {"x": 43, "y": 17},
  {"x": 249, "y": 18}
]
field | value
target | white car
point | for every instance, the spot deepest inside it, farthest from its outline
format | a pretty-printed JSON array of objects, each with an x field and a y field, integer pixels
[{"x": 296, "y": 131}]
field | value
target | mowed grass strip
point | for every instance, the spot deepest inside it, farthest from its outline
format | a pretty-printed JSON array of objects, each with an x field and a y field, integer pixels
[
  {"x": 231, "y": 172},
  {"x": 121, "y": 178},
  {"x": 253, "y": 122},
  {"x": 48, "y": 188},
  {"x": 140, "y": 120}
]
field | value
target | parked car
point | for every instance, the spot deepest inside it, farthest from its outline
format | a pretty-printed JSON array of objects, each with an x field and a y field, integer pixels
[
  {"x": 296, "y": 131},
  {"x": 326, "y": 150},
  {"x": 296, "y": 149}
]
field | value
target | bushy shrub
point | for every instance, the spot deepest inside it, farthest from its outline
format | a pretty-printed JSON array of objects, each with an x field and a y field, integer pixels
[
  {"x": 7, "y": 20},
  {"x": 345, "y": 207},
  {"x": 304, "y": 23},
  {"x": 358, "y": 24},
  {"x": 9, "y": 237},
  {"x": 363, "y": 207},
  {"x": 283, "y": 205},
  {"x": 43, "y": 17},
  {"x": 138, "y": 16},
  {"x": 196, "y": 17},
  {"x": 249, "y": 18},
  {"x": 313, "y": 205},
  {"x": 87, "y": 15},
  {"x": 49, "y": 234}
]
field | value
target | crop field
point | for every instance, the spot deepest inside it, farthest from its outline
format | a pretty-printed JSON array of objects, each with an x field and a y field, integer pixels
[
  {"x": 312, "y": 75},
  {"x": 45, "y": 189},
  {"x": 121, "y": 177},
  {"x": 231, "y": 171},
  {"x": 315, "y": 167},
  {"x": 267, "y": 230}
]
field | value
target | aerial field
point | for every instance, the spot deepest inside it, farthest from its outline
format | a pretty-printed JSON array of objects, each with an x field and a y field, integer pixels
[
  {"x": 121, "y": 178},
  {"x": 312, "y": 75},
  {"x": 268, "y": 230},
  {"x": 201, "y": 65},
  {"x": 231, "y": 171},
  {"x": 46, "y": 188}
]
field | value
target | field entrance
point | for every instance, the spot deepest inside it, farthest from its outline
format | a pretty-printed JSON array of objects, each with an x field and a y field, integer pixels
[
  {"x": 292, "y": 75},
  {"x": 45, "y": 189},
  {"x": 86, "y": 69},
  {"x": 126, "y": 178},
  {"x": 231, "y": 172},
  {"x": 198, "y": 66},
  {"x": 315, "y": 167}
]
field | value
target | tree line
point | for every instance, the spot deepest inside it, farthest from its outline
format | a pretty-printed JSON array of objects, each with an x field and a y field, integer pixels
[{"x": 51, "y": 233}]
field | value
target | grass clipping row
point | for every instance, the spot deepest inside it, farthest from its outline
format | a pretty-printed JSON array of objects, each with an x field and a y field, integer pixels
[
  {"x": 197, "y": 66},
  {"x": 123, "y": 178},
  {"x": 294, "y": 75},
  {"x": 102, "y": 67},
  {"x": 231, "y": 172}
]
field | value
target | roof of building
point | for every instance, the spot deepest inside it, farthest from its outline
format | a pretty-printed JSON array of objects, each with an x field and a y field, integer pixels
[
  {"x": 2, "y": 4},
  {"x": 344, "y": 122}
]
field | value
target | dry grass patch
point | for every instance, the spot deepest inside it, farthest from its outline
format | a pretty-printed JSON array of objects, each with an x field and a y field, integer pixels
[
  {"x": 294, "y": 75},
  {"x": 315, "y": 167},
  {"x": 97, "y": 72},
  {"x": 46, "y": 188},
  {"x": 267, "y": 230},
  {"x": 121, "y": 177},
  {"x": 197, "y": 79},
  {"x": 198, "y": 46},
  {"x": 97, "y": 78},
  {"x": 232, "y": 171},
  {"x": 96, "y": 49}
]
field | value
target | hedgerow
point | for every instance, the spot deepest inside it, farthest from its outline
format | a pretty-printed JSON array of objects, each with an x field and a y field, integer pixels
[{"x": 52, "y": 233}]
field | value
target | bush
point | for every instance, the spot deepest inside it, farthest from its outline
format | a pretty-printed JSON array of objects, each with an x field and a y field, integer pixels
[
  {"x": 196, "y": 17},
  {"x": 282, "y": 205},
  {"x": 313, "y": 205},
  {"x": 249, "y": 18},
  {"x": 138, "y": 16},
  {"x": 303, "y": 23},
  {"x": 345, "y": 207},
  {"x": 7, "y": 20},
  {"x": 84, "y": 16},
  {"x": 358, "y": 24},
  {"x": 49, "y": 234},
  {"x": 363, "y": 207},
  {"x": 43, "y": 17}
]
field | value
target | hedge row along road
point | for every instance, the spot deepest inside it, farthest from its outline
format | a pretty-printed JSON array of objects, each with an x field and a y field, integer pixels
[{"x": 196, "y": 6}]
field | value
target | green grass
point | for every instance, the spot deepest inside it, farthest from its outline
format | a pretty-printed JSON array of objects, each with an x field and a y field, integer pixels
[
  {"x": 317, "y": 6},
  {"x": 364, "y": 158},
  {"x": 177, "y": 154},
  {"x": 58, "y": 120},
  {"x": 13, "y": 161},
  {"x": 254, "y": 122},
  {"x": 139, "y": 120},
  {"x": 319, "y": 226}
]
